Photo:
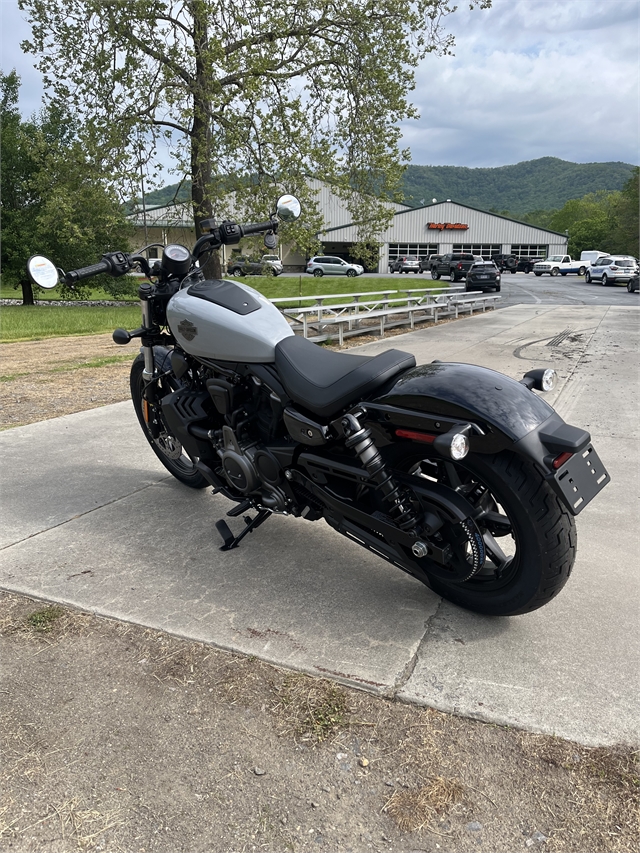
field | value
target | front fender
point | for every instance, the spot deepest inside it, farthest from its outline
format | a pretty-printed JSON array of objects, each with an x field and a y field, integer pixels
[{"x": 469, "y": 392}]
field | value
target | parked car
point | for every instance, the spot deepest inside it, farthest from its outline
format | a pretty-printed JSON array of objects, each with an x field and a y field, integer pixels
[
  {"x": 407, "y": 263},
  {"x": 427, "y": 263},
  {"x": 505, "y": 263},
  {"x": 614, "y": 269},
  {"x": 526, "y": 264},
  {"x": 633, "y": 283},
  {"x": 330, "y": 265},
  {"x": 455, "y": 265},
  {"x": 274, "y": 262},
  {"x": 483, "y": 275},
  {"x": 245, "y": 265}
]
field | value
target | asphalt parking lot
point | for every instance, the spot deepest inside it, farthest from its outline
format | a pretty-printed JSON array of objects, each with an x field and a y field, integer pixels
[{"x": 87, "y": 510}]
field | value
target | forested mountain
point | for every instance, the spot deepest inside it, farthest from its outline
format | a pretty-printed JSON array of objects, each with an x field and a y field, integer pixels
[
  {"x": 534, "y": 185},
  {"x": 541, "y": 184}
]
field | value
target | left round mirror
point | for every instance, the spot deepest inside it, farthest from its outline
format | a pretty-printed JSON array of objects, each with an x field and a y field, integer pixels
[
  {"x": 288, "y": 208},
  {"x": 42, "y": 271}
]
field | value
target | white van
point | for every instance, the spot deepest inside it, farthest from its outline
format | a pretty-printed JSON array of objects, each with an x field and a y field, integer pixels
[{"x": 590, "y": 257}]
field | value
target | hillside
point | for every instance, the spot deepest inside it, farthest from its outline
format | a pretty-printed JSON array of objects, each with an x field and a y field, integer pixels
[
  {"x": 542, "y": 184},
  {"x": 532, "y": 185}
]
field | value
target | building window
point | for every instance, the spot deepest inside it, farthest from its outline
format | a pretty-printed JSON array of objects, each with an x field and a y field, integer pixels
[
  {"x": 527, "y": 250},
  {"x": 420, "y": 250},
  {"x": 480, "y": 250}
]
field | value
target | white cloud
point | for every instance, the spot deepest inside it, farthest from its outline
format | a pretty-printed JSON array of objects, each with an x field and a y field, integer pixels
[{"x": 531, "y": 78}]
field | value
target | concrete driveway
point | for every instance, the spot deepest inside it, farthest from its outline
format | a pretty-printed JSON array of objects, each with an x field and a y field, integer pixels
[{"x": 90, "y": 519}]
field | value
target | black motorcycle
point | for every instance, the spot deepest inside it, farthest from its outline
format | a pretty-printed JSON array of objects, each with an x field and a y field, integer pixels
[{"x": 460, "y": 476}]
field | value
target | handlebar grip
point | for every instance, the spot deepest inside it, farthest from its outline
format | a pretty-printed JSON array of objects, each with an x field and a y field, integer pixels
[
  {"x": 88, "y": 272},
  {"x": 258, "y": 227}
]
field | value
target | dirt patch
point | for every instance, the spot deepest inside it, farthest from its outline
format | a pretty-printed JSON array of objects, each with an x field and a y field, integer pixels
[{"x": 119, "y": 738}]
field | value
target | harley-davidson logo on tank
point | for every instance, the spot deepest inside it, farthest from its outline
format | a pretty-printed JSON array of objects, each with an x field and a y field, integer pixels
[
  {"x": 447, "y": 226},
  {"x": 187, "y": 330}
]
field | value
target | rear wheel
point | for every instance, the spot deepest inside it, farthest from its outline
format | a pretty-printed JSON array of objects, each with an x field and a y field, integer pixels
[
  {"x": 538, "y": 274},
  {"x": 318, "y": 273},
  {"x": 582, "y": 270},
  {"x": 605, "y": 280},
  {"x": 529, "y": 536},
  {"x": 166, "y": 447},
  {"x": 435, "y": 275}
]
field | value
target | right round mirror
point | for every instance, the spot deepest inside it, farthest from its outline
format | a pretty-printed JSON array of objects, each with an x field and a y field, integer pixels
[
  {"x": 42, "y": 271},
  {"x": 288, "y": 208}
]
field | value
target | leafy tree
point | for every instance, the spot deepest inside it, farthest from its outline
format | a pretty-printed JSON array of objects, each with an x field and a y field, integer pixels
[
  {"x": 54, "y": 202},
  {"x": 266, "y": 92}
]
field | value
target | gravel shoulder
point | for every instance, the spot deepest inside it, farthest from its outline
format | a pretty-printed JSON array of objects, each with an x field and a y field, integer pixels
[{"x": 118, "y": 738}]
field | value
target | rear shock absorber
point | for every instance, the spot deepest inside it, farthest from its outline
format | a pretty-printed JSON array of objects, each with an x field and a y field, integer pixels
[{"x": 360, "y": 439}]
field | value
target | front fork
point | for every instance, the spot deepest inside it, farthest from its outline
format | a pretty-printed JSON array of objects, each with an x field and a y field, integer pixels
[{"x": 149, "y": 363}]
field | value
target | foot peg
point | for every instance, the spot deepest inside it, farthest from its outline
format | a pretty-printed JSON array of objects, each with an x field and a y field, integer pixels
[{"x": 231, "y": 541}]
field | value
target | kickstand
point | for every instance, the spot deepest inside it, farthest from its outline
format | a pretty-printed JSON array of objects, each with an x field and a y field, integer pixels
[{"x": 231, "y": 541}]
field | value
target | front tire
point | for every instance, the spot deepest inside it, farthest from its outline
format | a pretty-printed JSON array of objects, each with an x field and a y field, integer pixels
[
  {"x": 529, "y": 534},
  {"x": 351, "y": 273},
  {"x": 587, "y": 277},
  {"x": 166, "y": 447},
  {"x": 555, "y": 271}
]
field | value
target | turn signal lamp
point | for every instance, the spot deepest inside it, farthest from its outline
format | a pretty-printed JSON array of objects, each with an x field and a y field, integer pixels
[{"x": 541, "y": 379}]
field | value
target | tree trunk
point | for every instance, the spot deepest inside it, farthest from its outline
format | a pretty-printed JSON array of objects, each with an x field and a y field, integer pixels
[
  {"x": 27, "y": 292},
  {"x": 201, "y": 152}
]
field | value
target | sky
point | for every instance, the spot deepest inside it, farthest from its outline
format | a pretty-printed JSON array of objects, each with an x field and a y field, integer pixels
[{"x": 529, "y": 79}]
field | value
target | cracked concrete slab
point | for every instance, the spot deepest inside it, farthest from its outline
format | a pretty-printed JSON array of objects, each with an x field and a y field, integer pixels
[{"x": 91, "y": 519}]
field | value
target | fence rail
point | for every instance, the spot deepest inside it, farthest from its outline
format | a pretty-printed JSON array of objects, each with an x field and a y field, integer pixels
[{"x": 324, "y": 320}]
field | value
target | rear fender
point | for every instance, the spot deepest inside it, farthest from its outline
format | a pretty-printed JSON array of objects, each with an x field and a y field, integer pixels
[{"x": 504, "y": 414}]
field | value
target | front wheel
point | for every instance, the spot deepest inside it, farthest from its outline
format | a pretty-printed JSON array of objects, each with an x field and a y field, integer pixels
[
  {"x": 587, "y": 277},
  {"x": 555, "y": 271},
  {"x": 166, "y": 447},
  {"x": 351, "y": 273},
  {"x": 529, "y": 536}
]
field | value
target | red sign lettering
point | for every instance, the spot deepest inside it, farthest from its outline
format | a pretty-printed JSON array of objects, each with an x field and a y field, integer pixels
[{"x": 447, "y": 226}]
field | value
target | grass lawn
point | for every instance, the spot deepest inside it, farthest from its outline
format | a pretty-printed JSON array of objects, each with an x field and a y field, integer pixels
[{"x": 23, "y": 323}]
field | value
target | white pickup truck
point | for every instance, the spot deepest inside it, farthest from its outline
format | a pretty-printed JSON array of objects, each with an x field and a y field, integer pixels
[{"x": 560, "y": 265}]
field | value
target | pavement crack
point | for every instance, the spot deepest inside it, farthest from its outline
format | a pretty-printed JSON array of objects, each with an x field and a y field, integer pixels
[
  {"x": 80, "y": 515},
  {"x": 410, "y": 666}
]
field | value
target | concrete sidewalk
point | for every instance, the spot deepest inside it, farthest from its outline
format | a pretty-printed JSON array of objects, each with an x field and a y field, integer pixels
[{"x": 91, "y": 519}]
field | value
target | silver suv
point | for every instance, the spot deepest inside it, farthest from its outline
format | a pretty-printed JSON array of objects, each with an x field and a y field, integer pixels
[
  {"x": 613, "y": 269},
  {"x": 330, "y": 265}
]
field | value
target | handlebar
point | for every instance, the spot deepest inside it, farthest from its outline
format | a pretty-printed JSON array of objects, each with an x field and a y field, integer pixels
[{"x": 113, "y": 263}]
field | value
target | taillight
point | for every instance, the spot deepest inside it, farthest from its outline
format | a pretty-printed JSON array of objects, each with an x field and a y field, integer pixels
[
  {"x": 559, "y": 461},
  {"x": 613, "y": 268},
  {"x": 460, "y": 266},
  {"x": 416, "y": 436}
]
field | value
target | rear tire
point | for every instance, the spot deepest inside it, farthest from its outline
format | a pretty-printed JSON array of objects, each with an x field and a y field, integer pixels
[
  {"x": 541, "y": 544},
  {"x": 167, "y": 448},
  {"x": 605, "y": 280},
  {"x": 318, "y": 273}
]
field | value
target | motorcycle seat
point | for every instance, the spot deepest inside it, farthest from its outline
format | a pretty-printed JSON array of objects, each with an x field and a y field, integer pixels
[{"x": 325, "y": 382}]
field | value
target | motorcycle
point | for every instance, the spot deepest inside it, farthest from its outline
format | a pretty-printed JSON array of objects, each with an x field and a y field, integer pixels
[{"x": 460, "y": 476}]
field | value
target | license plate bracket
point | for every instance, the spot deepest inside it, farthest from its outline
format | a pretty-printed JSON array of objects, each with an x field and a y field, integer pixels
[{"x": 580, "y": 479}]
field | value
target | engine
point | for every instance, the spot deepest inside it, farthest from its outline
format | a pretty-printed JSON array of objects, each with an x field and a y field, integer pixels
[{"x": 250, "y": 468}]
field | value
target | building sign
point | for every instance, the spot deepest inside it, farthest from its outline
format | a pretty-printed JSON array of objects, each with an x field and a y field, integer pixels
[{"x": 447, "y": 226}]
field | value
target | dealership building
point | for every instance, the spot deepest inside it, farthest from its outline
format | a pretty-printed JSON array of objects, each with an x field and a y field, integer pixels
[
  {"x": 434, "y": 229},
  {"x": 448, "y": 226}
]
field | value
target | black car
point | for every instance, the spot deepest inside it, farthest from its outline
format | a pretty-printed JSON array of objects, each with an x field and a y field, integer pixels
[
  {"x": 483, "y": 275},
  {"x": 633, "y": 284},
  {"x": 526, "y": 264},
  {"x": 505, "y": 263}
]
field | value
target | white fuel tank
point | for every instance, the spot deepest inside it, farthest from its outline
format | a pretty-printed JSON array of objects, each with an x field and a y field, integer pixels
[{"x": 226, "y": 321}]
